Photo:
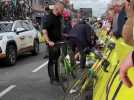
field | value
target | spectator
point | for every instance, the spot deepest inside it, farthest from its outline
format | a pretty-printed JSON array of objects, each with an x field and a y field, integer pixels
[
  {"x": 127, "y": 34},
  {"x": 128, "y": 27},
  {"x": 108, "y": 25},
  {"x": 80, "y": 37},
  {"x": 121, "y": 21},
  {"x": 115, "y": 20},
  {"x": 52, "y": 32},
  {"x": 67, "y": 24}
]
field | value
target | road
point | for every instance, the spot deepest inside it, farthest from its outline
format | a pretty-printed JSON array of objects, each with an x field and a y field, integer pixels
[{"x": 28, "y": 80}]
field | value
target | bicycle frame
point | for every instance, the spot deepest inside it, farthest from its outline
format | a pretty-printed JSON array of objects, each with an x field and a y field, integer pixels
[
  {"x": 67, "y": 66},
  {"x": 66, "y": 62}
]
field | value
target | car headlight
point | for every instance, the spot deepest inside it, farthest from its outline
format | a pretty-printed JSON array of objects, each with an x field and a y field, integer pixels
[{"x": 1, "y": 37}]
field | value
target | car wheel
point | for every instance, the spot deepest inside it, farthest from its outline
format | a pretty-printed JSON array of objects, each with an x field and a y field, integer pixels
[
  {"x": 35, "y": 48},
  {"x": 11, "y": 55}
]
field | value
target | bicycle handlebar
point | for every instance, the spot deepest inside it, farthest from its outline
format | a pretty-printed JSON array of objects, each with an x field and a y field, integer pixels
[{"x": 60, "y": 44}]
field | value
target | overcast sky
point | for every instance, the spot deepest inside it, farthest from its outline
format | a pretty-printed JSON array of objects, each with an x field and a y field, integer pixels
[{"x": 98, "y": 6}]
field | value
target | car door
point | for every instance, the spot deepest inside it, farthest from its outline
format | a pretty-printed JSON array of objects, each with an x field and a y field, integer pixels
[
  {"x": 28, "y": 34},
  {"x": 20, "y": 36}
]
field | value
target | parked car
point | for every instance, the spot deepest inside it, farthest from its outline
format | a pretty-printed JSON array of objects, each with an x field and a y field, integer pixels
[{"x": 17, "y": 37}]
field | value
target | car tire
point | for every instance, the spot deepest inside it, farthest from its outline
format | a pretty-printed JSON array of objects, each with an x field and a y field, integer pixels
[
  {"x": 11, "y": 55},
  {"x": 36, "y": 47}
]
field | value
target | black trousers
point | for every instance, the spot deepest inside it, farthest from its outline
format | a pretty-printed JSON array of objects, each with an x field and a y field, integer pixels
[
  {"x": 75, "y": 43},
  {"x": 54, "y": 54}
]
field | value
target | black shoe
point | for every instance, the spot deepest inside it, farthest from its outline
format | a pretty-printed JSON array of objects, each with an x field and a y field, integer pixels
[
  {"x": 54, "y": 81},
  {"x": 63, "y": 79},
  {"x": 57, "y": 80},
  {"x": 57, "y": 83},
  {"x": 51, "y": 81}
]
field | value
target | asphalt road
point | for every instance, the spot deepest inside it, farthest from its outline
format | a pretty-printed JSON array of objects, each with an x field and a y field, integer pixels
[{"x": 28, "y": 80}]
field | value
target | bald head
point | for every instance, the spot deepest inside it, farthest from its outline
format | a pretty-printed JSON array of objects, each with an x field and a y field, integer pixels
[{"x": 58, "y": 8}]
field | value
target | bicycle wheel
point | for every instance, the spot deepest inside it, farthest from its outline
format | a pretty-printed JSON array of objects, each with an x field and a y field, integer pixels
[{"x": 64, "y": 76}]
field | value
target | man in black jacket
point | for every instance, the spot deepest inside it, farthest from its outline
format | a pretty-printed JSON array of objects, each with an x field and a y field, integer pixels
[
  {"x": 52, "y": 32},
  {"x": 82, "y": 36}
]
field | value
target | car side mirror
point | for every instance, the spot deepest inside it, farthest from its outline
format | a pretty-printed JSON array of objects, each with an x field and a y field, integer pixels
[{"x": 19, "y": 30}]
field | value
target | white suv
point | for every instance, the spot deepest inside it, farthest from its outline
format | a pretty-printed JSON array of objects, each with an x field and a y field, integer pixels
[{"x": 17, "y": 37}]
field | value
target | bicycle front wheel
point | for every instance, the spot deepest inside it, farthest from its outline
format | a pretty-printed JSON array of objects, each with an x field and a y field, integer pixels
[{"x": 65, "y": 76}]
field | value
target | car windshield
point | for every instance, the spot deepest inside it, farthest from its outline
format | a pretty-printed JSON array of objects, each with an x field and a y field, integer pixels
[{"x": 5, "y": 27}]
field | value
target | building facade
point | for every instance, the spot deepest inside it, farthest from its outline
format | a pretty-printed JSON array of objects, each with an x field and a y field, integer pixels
[{"x": 38, "y": 7}]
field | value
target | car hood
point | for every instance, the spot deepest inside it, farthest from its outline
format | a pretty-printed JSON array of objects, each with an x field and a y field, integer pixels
[{"x": 6, "y": 33}]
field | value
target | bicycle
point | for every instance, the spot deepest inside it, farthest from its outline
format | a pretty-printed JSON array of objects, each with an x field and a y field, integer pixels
[
  {"x": 66, "y": 66},
  {"x": 80, "y": 85}
]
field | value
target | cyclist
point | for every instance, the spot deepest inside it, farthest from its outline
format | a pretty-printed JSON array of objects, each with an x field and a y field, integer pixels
[{"x": 52, "y": 32}]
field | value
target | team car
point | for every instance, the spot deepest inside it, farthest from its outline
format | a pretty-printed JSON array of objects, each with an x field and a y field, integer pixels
[{"x": 17, "y": 37}]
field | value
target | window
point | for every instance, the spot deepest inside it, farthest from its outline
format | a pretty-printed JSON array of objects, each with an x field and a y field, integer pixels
[{"x": 5, "y": 27}]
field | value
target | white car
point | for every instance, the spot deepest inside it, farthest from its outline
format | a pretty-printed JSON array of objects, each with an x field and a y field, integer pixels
[{"x": 17, "y": 37}]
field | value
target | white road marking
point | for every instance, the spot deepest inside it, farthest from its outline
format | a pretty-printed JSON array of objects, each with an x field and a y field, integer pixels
[
  {"x": 40, "y": 67},
  {"x": 7, "y": 90}
]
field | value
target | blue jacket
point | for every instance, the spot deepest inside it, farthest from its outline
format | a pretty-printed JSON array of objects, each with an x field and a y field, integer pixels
[{"x": 82, "y": 32}]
